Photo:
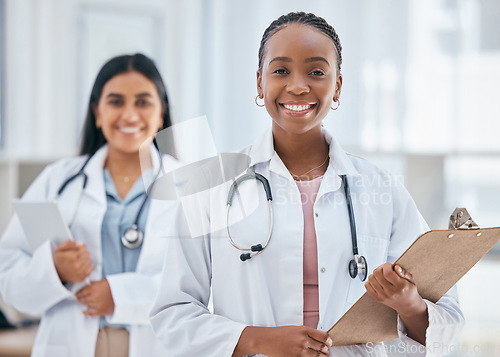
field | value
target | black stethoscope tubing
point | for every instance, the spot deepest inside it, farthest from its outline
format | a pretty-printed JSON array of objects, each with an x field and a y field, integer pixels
[
  {"x": 133, "y": 236},
  {"x": 357, "y": 266}
]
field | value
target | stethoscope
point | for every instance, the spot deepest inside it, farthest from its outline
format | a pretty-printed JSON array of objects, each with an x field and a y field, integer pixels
[
  {"x": 357, "y": 266},
  {"x": 132, "y": 237}
]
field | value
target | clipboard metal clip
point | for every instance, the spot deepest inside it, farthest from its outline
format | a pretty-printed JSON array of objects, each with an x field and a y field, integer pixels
[{"x": 461, "y": 219}]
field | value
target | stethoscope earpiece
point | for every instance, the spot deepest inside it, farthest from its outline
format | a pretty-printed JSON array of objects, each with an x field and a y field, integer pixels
[
  {"x": 256, "y": 248},
  {"x": 245, "y": 256}
]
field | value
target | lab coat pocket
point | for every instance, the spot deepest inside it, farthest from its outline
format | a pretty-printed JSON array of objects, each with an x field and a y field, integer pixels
[
  {"x": 375, "y": 252},
  {"x": 50, "y": 350}
]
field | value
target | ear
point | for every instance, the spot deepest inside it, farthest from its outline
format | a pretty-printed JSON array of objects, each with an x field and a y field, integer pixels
[
  {"x": 338, "y": 88},
  {"x": 259, "y": 84}
]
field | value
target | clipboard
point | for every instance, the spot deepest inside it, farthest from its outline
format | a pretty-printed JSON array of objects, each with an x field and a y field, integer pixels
[
  {"x": 41, "y": 221},
  {"x": 437, "y": 260}
]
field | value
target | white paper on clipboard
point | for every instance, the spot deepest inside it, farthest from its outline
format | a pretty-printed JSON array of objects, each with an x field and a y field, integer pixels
[{"x": 41, "y": 221}]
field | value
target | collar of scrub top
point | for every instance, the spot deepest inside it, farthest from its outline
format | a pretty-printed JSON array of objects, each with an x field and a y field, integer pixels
[{"x": 95, "y": 185}]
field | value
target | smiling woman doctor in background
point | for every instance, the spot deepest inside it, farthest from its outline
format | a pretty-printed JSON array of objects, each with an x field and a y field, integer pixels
[
  {"x": 102, "y": 196},
  {"x": 281, "y": 302}
]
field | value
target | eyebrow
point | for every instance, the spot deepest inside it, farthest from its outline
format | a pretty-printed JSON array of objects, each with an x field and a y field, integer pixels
[
  {"x": 315, "y": 59},
  {"x": 283, "y": 59},
  {"x": 307, "y": 60},
  {"x": 144, "y": 94}
]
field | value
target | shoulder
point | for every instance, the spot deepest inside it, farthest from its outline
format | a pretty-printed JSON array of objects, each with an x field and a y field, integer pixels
[
  {"x": 52, "y": 176},
  {"x": 350, "y": 164},
  {"x": 369, "y": 176},
  {"x": 365, "y": 166},
  {"x": 66, "y": 165}
]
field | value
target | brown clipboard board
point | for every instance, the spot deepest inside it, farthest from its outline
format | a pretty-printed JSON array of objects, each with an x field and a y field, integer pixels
[{"x": 437, "y": 260}]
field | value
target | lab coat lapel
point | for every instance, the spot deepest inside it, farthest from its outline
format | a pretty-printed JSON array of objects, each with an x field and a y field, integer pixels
[
  {"x": 263, "y": 151},
  {"x": 339, "y": 165},
  {"x": 94, "y": 170},
  {"x": 154, "y": 234}
]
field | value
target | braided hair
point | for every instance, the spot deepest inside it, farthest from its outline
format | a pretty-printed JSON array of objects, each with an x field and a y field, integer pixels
[{"x": 301, "y": 18}]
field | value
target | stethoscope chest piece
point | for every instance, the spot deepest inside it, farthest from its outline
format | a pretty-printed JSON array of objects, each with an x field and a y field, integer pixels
[
  {"x": 133, "y": 237},
  {"x": 358, "y": 267}
]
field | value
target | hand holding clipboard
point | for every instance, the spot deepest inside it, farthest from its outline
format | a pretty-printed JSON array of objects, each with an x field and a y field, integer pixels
[{"x": 436, "y": 260}]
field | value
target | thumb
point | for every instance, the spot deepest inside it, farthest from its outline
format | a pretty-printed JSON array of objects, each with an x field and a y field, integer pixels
[{"x": 404, "y": 274}]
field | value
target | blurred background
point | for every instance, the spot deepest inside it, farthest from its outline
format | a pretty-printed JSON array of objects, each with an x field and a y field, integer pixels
[{"x": 420, "y": 96}]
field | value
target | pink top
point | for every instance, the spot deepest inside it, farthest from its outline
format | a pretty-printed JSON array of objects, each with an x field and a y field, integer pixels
[{"x": 308, "y": 192}]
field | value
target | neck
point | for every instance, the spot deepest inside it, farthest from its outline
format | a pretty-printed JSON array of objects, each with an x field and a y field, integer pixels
[
  {"x": 302, "y": 152},
  {"x": 126, "y": 164}
]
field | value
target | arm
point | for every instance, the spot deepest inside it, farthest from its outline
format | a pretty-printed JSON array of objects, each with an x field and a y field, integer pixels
[
  {"x": 441, "y": 322},
  {"x": 29, "y": 280},
  {"x": 184, "y": 324},
  {"x": 396, "y": 288},
  {"x": 285, "y": 341},
  {"x": 180, "y": 316}
]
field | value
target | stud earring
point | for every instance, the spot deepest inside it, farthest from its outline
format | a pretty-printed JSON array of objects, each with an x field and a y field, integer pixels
[{"x": 256, "y": 101}]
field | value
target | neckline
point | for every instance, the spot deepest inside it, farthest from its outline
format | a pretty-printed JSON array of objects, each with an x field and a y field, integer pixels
[{"x": 309, "y": 181}]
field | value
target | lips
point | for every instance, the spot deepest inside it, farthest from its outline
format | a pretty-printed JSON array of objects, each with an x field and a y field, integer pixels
[{"x": 297, "y": 108}]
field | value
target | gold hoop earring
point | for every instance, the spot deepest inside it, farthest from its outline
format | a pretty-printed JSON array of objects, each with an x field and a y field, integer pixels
[
  {"x": 256, "y": 101},
  {"x": 338, "y": 105}
]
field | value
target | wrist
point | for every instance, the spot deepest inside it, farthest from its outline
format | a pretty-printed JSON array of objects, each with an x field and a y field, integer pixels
[
  {"x": 417, "y": 309},
  {"x": 252, "y": 340}
]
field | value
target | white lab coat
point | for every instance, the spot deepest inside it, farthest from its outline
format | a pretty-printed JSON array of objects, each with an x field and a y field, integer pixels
[
  {"x": 30, "y": 282},
  {"x": 267, "y": 290}
]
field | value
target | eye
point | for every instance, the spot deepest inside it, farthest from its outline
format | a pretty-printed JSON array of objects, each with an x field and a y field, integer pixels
[
  {"x": 280, "y": 71},
  {"x": 116, "y": 102},
  {"x": 318, "y": 72},
  {"x": 142, "y": 102}
]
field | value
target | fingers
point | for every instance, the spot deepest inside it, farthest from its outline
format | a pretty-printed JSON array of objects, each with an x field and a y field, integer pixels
[
  {"x": 320, "y": 341},
  {"x": 384, "y": 282},
  {"x": 386, "y": 278},
  {"x": 85, "y": 268},
  {"x": 404, "y": 274},
  {"x": 86, "y": 295},
  {"x": 320, "y": 350},
  {"x": 92, "y": 312},
  {"x": 83, "y": 262},
  {"x": 320, "y": 336}
]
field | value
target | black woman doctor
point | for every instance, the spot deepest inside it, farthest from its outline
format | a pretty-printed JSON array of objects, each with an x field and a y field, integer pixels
[{"x": 281, "y": 302}]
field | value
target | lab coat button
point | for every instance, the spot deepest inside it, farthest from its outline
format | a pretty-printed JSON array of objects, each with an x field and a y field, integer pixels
[
  {"x": 323, "y": 269},
  {"x": 316, "y": 214}
]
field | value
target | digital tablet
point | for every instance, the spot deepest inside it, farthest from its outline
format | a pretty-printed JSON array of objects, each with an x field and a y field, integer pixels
[{"x": 42, "y": 221}]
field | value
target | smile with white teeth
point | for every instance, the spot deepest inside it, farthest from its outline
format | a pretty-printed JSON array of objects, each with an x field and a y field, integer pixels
[
  {"x": 298, "y": 108},
  {"x": 130, "y": 129}
]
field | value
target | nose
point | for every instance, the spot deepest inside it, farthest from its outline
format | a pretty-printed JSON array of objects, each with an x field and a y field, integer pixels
[
  {"x": 298, "y": 84},
  {"x": 130, "y": 113}
]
